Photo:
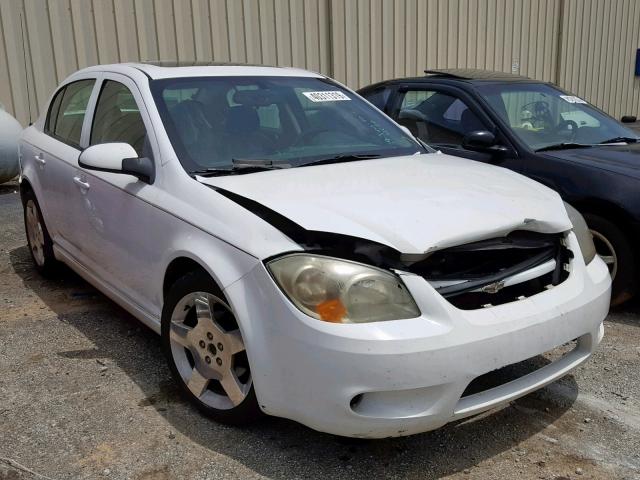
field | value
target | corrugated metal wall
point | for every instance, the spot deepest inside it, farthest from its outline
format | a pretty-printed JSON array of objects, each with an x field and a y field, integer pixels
[
  {"x": 586, "y": 45},
  {"x": 378, "y": 39},
  {"x": 61, "y": 36},
  {"x": 597, "y": 58}
]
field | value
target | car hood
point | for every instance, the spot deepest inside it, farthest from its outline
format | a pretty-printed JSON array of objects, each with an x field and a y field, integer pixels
[
  {"x": 623, "y": 159},
  {"x": 414, "y": 204}
]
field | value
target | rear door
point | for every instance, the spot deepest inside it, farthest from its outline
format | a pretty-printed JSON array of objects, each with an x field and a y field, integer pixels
[{"x": 55, "y": 153}]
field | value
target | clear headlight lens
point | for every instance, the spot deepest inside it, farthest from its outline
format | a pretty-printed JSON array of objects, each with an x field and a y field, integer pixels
[
  {"x": 585, "y": 239},
  {"x": 341, "y": 291}
]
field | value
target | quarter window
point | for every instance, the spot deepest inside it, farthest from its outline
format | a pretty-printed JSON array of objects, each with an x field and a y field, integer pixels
[
  {"x": 118, "y": 119},
  {"x": 66, "y": 114}
]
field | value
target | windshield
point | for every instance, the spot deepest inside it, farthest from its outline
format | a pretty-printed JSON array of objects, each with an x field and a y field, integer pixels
[
  {"x": 542, "y": 116},
  {"x": 214, "y": 121}
]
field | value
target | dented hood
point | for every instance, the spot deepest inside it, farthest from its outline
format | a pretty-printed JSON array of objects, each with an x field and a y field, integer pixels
[{"x": 413, "y": 204}]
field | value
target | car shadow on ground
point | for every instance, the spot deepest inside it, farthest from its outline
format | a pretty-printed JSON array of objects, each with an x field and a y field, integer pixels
[
  {"x": 627, "y": 313},
  {"x": 300, "y": 452},
  {"x": 8, "y": 188}
]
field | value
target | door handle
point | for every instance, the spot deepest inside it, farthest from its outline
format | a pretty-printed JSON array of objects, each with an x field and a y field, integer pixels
[
  {"x": 40, "y": 159},
  {"x": 82, "y": 184}
]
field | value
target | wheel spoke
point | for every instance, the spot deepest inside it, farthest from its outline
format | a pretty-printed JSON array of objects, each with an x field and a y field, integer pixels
[
  {"x": 205, "y": 314},
  {"x": 233, "y": 388},
  {"x": 608, "y": 259},
  {"x": 233, "y": 341},
  {"x": 180, "y": 334},
  {"x": 39, "y": 235},
  {"x": 197, "y": 383},
  {"x": 203, "y": 309}
]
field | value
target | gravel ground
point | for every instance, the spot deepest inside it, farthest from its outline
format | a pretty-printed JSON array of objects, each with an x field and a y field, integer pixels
[{"x": 85, "y": 393}]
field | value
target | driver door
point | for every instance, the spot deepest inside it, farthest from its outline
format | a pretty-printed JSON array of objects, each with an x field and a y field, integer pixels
[{"x": 442, "y": 117}]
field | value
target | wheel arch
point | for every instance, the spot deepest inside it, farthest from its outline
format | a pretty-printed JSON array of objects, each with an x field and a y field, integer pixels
[
  {"x": 624, "y": 221},
  {"x": 25, "y": 187},
  {"x": 178, "y": 268},
  {"x": 609, "y": 211}
]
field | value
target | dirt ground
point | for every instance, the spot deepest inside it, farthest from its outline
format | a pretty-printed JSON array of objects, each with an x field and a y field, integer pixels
[{"x": 85, "y": 393}]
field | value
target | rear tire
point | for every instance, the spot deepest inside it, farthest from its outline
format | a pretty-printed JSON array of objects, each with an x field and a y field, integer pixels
[
  {"x": 206, "y": 352},
  {"x": 38, "y": 238},
  {"x": 614, "y": 248}
]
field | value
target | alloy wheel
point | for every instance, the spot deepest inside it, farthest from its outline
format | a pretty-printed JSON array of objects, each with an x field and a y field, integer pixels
[
  {"x": 209, "y": 352},
  {"x": 35, "y": 232}
]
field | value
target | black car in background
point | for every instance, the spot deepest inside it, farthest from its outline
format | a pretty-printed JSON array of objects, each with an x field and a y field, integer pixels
[{"x": 542, "y": 132}]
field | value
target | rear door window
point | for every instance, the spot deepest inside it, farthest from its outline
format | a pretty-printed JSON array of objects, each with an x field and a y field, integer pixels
[{"x": 66, "y": 114}]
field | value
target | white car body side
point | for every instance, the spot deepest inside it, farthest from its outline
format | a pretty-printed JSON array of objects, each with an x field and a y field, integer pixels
[{"x": 122, "y": 235}]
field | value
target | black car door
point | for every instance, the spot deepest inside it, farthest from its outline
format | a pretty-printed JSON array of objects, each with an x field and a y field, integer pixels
[{"x": 442, "y": 116}]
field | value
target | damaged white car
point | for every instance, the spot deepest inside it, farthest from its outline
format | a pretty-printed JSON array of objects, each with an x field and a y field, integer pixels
[{"x": 301, "y": 254}]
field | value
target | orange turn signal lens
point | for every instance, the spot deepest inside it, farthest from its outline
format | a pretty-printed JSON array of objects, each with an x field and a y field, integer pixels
[{"x": 331, "y": 311}]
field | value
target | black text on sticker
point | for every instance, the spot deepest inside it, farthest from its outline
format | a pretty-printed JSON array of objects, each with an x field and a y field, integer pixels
[{"x": 329, "y": 96}]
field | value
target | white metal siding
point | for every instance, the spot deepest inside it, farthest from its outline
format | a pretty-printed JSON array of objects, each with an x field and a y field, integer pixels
[{"x": 587, "y": 46}]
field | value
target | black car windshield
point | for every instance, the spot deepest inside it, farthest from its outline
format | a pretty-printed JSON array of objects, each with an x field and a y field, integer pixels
[
  {"x": 216, "y": 122},
  {"x": 543, "y": 116}
]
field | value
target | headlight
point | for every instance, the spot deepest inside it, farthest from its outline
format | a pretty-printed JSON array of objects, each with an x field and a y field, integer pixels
[
  {"x": 341, "y": 291},
  {"x": 585, "y": 240}
]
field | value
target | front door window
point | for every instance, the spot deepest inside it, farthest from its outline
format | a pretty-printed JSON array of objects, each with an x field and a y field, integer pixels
[{"x": 438, "y": 118}]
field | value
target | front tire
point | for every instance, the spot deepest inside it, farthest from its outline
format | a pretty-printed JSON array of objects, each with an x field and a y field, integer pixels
[
  {"x": 614, "y": 248},
  {"x": 38, "y": 238},
  {"x": 206, "y": 352}
]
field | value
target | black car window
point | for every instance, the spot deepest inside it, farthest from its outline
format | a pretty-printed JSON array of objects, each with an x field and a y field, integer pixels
[
  {"x": 437, "y": 118},
  {"x": 117, "y": 118},
  {"x": 378, "y": 97},
  {"x": 542, "y": 115},
  {"x": 66, "y": 114}
]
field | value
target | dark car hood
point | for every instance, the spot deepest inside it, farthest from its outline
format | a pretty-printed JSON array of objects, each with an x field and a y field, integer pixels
[{"x": 623, "y": 159}]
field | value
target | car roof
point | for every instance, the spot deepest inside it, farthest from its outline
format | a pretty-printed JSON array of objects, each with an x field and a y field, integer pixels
[
  {"x": 176, "y": 69},
  {"x": 459, "y": 76},
  {"x": 474, "y": 74}
]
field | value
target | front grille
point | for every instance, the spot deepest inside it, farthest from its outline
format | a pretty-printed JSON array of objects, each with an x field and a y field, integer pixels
[{"x": 497, "y": 271}]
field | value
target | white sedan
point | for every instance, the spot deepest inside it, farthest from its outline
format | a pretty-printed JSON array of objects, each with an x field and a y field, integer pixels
[{"x": 300, "y": 254}]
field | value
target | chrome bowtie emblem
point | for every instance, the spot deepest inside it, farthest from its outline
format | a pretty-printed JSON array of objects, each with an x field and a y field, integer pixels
[{"x": 493, "y": 287}]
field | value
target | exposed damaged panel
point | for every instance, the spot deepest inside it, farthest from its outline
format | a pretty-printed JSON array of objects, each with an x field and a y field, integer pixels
[
  {"x": 327, "y": 243},
  {"x": 474, "y": 275},
  {"x": 414, "y": 204},
  {"x": 497, "y": 271}
]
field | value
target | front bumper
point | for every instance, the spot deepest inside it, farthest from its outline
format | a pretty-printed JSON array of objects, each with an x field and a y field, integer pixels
[{"x": 407, "y": 376}]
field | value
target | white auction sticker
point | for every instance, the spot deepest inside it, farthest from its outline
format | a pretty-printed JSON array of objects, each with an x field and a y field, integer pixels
[
  {"x": 572, "y": 99},
  {"x": 327, "y": 96}
]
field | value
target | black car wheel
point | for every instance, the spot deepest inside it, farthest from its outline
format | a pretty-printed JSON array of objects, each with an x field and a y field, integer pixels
[{"x": 615, "y": 249}]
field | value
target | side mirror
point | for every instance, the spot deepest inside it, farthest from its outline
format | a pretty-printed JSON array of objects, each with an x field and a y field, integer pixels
[
  {"x": 482, "y": 141},
  {"x": 117, "y": 158},
  {"x": 629, "y": 119}
]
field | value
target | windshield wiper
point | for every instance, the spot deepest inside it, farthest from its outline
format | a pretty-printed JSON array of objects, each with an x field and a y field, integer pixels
[
  {"x": 343, "y": 158},
  {"x": 242, "y": 165},
  {"x": 564, "y": 146},
  {"x": 619, "y": 140}
]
